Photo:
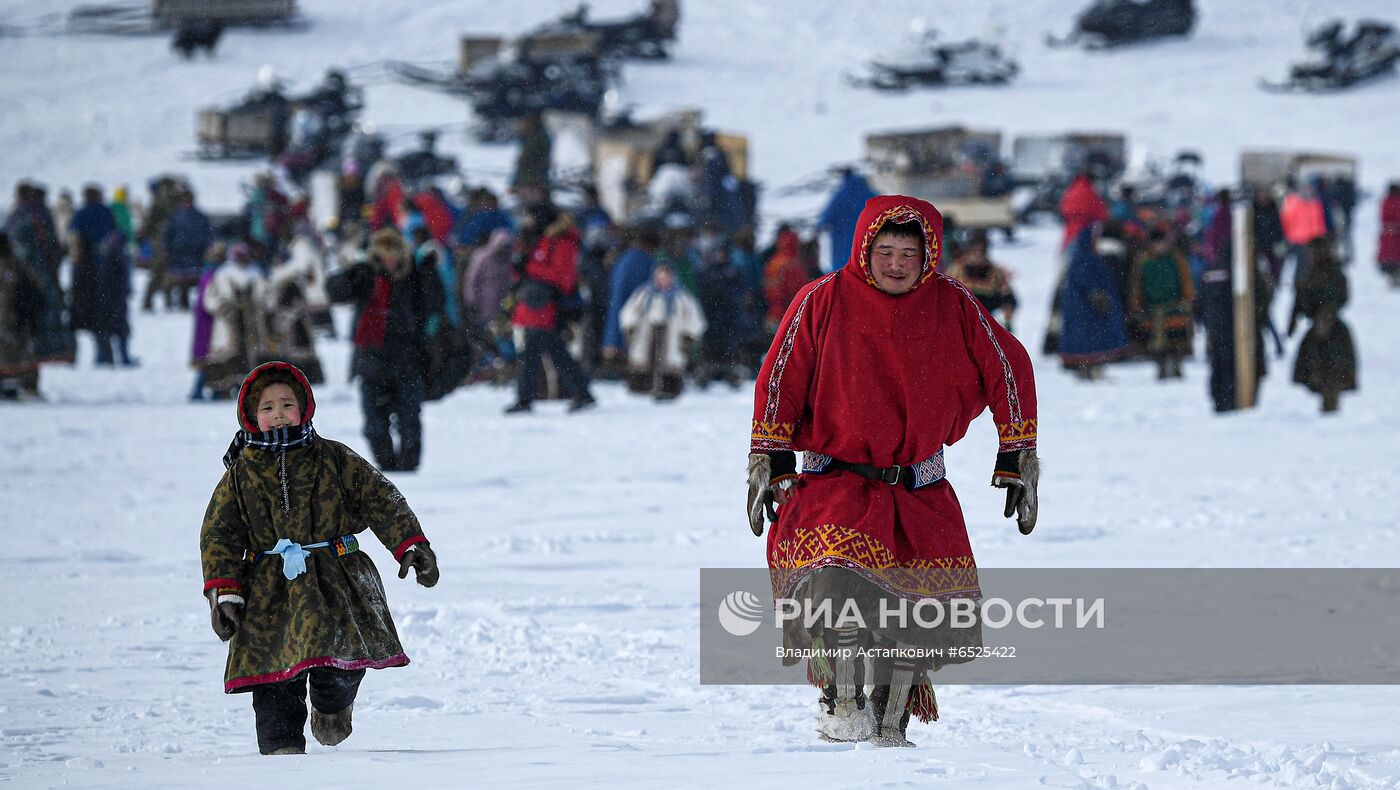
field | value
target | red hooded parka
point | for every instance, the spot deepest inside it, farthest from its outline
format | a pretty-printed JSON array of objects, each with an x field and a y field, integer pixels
[
  {"x": 1080, "y": 207},
  {"x": 862, "y": 376},
  {"x": 784, "y": 275}
]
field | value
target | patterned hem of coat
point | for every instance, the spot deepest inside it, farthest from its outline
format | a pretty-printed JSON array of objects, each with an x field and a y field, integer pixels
[
  {"x": 61, "y": 357},
  {"x": 910, "y": 583},
  {"x": 1094, "y": 358},
  {"x": 246, "y": 683},
  {"x": 20, "y": 369}
]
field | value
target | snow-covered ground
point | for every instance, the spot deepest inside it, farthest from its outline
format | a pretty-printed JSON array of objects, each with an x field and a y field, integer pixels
[{"x": 560, "y": 647}]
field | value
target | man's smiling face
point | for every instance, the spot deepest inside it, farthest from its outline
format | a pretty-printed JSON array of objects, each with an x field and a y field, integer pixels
[{"x": 896, "y": 261}]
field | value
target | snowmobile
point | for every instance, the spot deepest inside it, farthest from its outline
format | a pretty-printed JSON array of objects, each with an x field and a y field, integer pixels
[
  {"x": 1370, "y": 51},
  {"x": 965, "y": 63},
  {"x": 320, "y": 122},
  {"x": 644, "y": 36},
  {"x": 1112, "y": 23},
  {"x": 504, "y": 89},
  {"x": 505, "y": 92}
]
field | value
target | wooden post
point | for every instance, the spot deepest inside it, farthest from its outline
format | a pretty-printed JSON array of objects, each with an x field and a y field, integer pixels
[{"x": 1245, "y": 330}]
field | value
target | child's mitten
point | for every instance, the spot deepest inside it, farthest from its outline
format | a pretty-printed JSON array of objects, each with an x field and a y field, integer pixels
[
  {"x": 424, "y": 563},
  {"x": 225, "y": 617}
]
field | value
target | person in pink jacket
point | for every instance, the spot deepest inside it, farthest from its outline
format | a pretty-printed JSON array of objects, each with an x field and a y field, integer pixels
[{"x": 1303, "y": 219}]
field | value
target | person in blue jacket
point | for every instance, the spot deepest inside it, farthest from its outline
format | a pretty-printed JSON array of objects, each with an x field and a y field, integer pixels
[
  {"x": 1094, "y": 331},
  {"x": 843, "y": 209},
  {"x": 483, "y": 215},
  {"x": 631, "y": 271},
  {"x": 101, "y": 278},
  {"x": 92, "y": 222},
  {"x": 187, "y": 236}
]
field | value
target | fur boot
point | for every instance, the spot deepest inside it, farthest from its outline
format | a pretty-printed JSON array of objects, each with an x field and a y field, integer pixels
[{"x": 330, "y": 729}]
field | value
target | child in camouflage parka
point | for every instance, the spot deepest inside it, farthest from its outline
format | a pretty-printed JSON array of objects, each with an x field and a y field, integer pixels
[{"x": 288, "y": 587}]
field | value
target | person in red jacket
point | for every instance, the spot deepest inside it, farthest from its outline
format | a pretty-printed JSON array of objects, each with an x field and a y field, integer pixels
[
  {"x": 1388, "y": 254},
  {"x": 387, "y": 211},
  {"x": 1080, "y": 207},
  {"x": 436, "y": 215},
  {"x": 548, "y": 273},
  {"x": 783, "y": 276},
  {"x": 875, "y": 369}
]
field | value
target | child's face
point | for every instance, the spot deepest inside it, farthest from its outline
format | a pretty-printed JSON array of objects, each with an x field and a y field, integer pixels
[{"x": 277, "y": 408}]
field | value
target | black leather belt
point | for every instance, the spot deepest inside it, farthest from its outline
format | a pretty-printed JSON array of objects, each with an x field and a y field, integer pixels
[{"x": 889, "y": 475}]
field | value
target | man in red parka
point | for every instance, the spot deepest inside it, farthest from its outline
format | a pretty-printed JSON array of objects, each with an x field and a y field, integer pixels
[
  {"x": 875, "y": 369},
  {"x": 548, "y": 271}
]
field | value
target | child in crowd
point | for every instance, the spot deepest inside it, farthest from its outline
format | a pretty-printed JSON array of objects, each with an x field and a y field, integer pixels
[{"x": 663, "y": 323}]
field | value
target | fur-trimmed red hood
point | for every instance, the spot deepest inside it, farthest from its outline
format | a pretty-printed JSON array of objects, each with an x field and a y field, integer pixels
[{"x": 897, "y": 208}]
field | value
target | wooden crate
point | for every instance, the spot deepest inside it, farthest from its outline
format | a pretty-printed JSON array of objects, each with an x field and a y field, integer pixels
[
  {"x": 926, "y": 186},
  {"x": 622, "y": 158},
  {"x": 925, "y": 150},
  {"x": 736, "y": 149},
  {"x": 209, "y": 128},
  {"x": 250, "y": 129},
  {"x": 558, "y": 45},
  {"x": 474, "y": 49},
  {"x": 1269, "y": 169},
  {"x": 1037, "y": 156},
  {"x": 977, "y": 212}
]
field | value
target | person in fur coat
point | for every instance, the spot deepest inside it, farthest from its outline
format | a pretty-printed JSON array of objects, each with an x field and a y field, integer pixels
[
  {"x": 290, "y": 314},
  {"x": 21, "y": 297},
  {"x": 1160, "y": 298},
  {"x": 236, "y": 298},
  {"x": 663, "y": 322},
  {"x": 1326, "y": 361},
  {"x": 289, "y": 588}
]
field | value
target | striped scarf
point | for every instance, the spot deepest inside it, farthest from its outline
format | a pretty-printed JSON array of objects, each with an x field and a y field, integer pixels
[{"x": 279, "y": 441}]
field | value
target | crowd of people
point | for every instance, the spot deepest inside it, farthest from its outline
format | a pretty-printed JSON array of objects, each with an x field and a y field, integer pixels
[
  {"x": 457, "y": 287},
  {"x": 1138, "y": 280},
  {"x": 447, "y": 287}
]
